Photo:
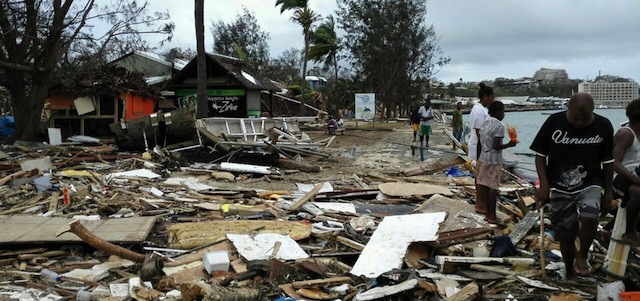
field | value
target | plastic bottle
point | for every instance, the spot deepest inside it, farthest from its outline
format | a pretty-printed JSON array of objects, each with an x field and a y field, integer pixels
[
  {"x": 83, "y": 296},
  {"x": 49, "y": 275},
  {"x": 513, "y": 135},
  {"x": 66, "y": 200}
]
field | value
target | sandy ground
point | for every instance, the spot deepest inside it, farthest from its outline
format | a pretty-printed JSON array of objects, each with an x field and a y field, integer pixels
[{"x": 385, "y": 152}]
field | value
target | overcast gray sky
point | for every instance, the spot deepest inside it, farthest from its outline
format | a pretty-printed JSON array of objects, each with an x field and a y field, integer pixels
[{"x": 484, "y": 38}]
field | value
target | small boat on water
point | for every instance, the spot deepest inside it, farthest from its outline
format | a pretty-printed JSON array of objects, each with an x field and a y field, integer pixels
[{"x": 601, "y": 106}]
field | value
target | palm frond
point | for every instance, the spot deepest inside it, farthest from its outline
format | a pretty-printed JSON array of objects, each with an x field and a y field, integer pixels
[{"x": 291, "y": 4}]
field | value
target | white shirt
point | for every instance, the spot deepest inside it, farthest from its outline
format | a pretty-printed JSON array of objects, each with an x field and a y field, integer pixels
[
  {"x": 424, "y": 112},
  {"x": 476, "y": 118},
  {"x": 478, "y": 115}
]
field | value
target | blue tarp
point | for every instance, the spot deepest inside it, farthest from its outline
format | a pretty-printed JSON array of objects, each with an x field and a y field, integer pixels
[
  {"x": 6, "y": 125},
  {"x": 455, "y": 172}
]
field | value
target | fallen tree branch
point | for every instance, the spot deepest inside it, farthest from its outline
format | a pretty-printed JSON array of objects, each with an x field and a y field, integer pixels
[
  {"x": 83, "y": 233},
  {"x": 205, "y": 292}
]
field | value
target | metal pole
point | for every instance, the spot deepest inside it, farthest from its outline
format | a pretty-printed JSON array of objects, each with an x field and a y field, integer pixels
[{"x": 542, "y": 261}]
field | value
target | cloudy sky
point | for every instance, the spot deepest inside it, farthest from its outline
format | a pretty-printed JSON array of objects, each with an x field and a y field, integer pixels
[{"x": 484, "y": 38}]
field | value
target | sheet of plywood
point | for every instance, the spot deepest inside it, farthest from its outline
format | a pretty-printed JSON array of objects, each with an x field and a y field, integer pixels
[
  {"x": 19, "y": 229},
  {"x": 411, "y": 189},
  {"x": 191, "y": 235},
  {"x": 462, "y": 215},
  {"x": 388, "y": 244}
]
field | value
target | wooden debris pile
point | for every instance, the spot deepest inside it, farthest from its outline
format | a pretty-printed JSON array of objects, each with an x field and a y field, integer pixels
[{"x": 88, "y": 222}]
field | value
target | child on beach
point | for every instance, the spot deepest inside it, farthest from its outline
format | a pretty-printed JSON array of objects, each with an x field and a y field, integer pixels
[
  {"x": 490, "y": 160},
  {"x": 414, "y": 120}
]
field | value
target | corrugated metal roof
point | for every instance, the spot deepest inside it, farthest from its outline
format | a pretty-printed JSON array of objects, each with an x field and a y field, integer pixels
[{"x": 240, "y": 70}]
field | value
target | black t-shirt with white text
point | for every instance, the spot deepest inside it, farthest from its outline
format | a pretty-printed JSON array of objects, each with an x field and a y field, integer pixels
[{"x": 574, "y": 156}]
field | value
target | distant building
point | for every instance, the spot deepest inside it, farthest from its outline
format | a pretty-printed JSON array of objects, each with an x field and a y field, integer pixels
[
  {"x": 611, "y": 95},
  {"x": 549, "y": 75},
  {"x": 513, "y": 99},
  {"x": 316, "y": 82}
]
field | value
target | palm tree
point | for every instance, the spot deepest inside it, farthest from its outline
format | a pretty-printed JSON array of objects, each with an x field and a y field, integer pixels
[
  {"x": 324, "y": 48},
  {"x": 201, "y": 63},
  {"x": 305, "y": 17}
]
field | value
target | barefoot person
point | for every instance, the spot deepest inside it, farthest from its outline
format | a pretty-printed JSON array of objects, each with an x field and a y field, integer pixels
[
  {"x": 574, "y": 161},
  {"x": 414, "y": 121},
  {"x": 456, "y": 123},
  {"x": 426, "y": 114},
  {"x": 490, "y": 160},
  {"x": 626, "y": 152},
  {"x": 477, "y": 116}
]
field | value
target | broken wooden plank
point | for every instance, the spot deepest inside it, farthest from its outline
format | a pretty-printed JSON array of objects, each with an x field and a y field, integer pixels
[
  {"x": 317, "y": 294},
  {"x": 40, "y": 255},
  {"x": 23, "y": 229},
  {"x": 21, "y": 208},
  {"x": 321, "y": 282},
  {"x": 360, "y": 182},
  {"x": 192, "y": 235},
  {"x": 53, "y": 201},
  {"x": 523, "y": 227},
  {"x": 412, "y": 189},
  {"x": 446, "y": 236},
  {"x": 380, "y": 292},
  {"x": 467, "y": 293},
  {"x": 306, "y": 197},
  {"x": 493, "y": 269},
  {"x": 215, "y": 139},
  {"x": 350, "y": 243},
  {"x": 441, "y": 260}
]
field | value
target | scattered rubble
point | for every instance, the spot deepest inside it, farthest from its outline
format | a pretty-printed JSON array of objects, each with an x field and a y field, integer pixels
[{"x": 85, "y": 221}]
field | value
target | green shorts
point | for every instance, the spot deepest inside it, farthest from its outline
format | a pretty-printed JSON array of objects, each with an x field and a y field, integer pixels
[{"x": 425, "y": 130}]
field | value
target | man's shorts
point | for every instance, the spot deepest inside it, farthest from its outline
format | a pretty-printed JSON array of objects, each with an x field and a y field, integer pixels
[
  {"x": 425, "y": 130},
  {"x": 415, "y": 126},
  {"x": 621, "y": 187},
  {"x": 489, "y": 175},
  {"x": 567, "y": 209}
]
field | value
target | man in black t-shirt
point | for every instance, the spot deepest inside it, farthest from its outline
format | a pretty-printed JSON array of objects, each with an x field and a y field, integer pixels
[{"x": 574, "y": 161}]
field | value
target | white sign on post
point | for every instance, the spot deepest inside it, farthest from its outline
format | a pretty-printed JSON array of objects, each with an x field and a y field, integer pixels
[{"x": 365, "y": 106}]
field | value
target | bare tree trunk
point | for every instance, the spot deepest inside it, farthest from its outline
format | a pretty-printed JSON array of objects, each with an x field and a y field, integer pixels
[
  {"x": 27, "y": 106},
  {"x": 335, "y": 82},
  {"x": 201, "y": 61},
  {"x": 303, "y": 81}
]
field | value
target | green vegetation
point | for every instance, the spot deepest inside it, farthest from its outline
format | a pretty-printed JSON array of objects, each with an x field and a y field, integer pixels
[{"x": 563, "y": 88}]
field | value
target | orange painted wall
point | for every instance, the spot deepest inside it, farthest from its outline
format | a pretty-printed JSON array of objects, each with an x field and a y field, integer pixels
[
  {"x": 58, "y": 102},
  {"x": 136, "y": 106}
]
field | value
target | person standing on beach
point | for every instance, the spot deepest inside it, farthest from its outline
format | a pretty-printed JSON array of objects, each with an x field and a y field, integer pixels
[
  {"x": 574, "y": 161},
  {"x": 456, "y": 123},
  {"x": 490, "y": 160},
  {"x": 426, "y": 114},
  {"x": 477, "y": 117},
  {"x": 626, "y": 184},
  {"x": 414, "y": 120}
]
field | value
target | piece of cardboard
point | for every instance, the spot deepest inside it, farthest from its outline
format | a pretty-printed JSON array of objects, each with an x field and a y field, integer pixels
[
  {"x": 84, "y": 105},
  {"x": 55, "y": 136}
]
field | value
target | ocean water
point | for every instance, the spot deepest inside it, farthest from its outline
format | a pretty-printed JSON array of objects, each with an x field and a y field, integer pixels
[{"x": 527, "y": 125}]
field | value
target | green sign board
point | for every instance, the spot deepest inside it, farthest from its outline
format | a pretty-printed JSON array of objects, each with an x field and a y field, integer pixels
[{"x": 221, "y": 102}]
